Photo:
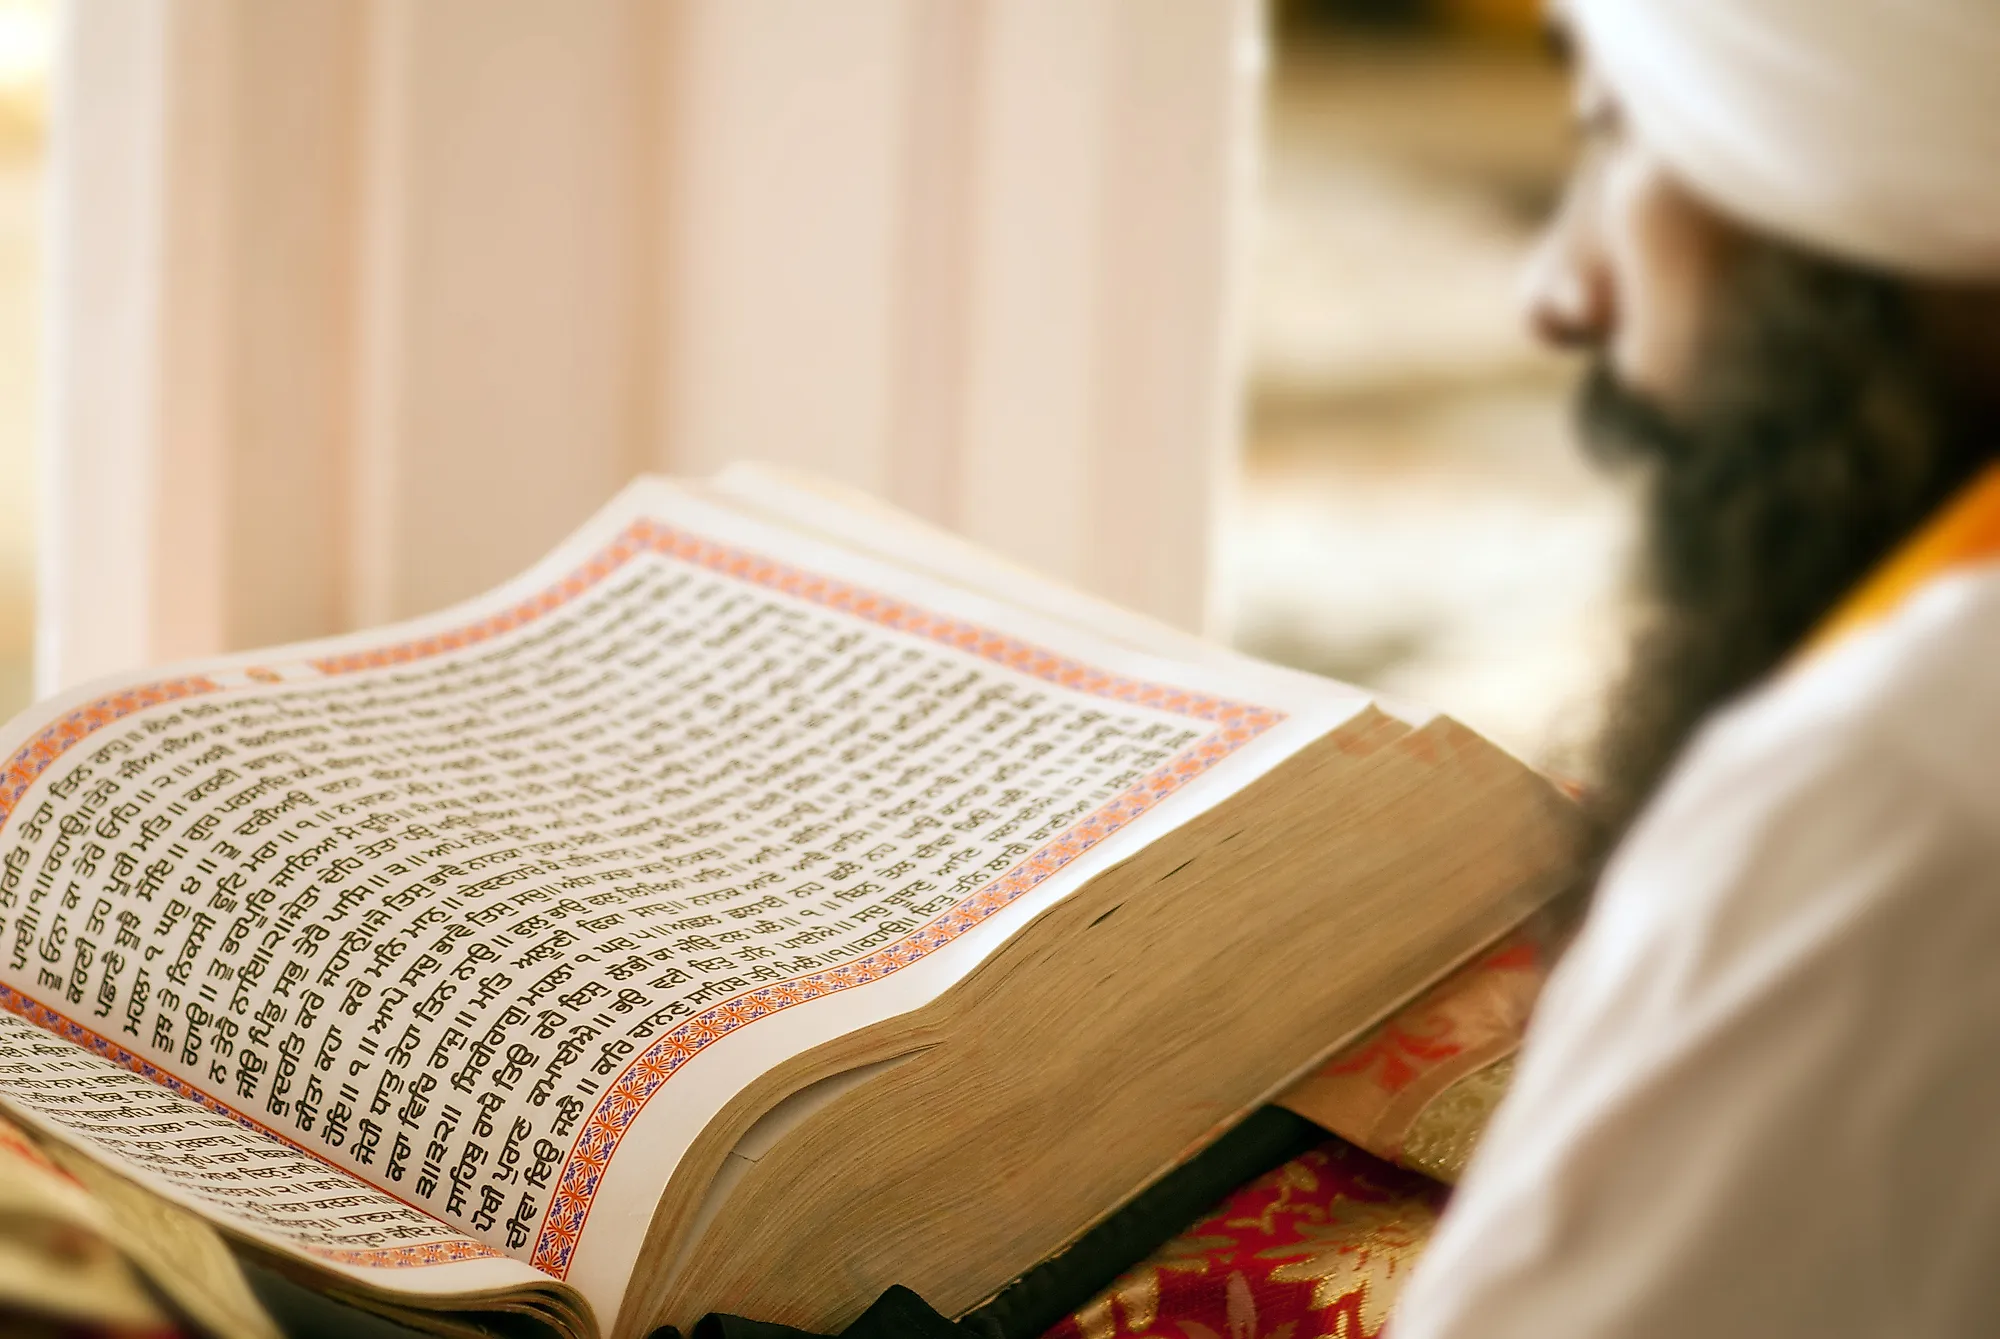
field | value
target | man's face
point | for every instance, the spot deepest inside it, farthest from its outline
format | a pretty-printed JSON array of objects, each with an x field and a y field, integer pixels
[
  {"x": 1789, "y": 412},
  {"x": 1628, "y": 262}
]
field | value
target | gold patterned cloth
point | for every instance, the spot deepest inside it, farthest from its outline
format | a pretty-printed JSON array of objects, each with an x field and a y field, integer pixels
[
  {"x": 85, "y": 1253},
  {"x": 1419, "y": 1089},
  {"x": 1319, "y": 1247},
  {"x": 58, "y": 1274}
]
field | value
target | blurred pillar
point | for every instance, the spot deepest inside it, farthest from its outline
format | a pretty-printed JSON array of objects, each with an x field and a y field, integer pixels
[{"x": 360, "y": 304}]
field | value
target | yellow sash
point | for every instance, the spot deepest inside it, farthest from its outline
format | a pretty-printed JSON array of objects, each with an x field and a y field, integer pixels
[{"x": 1964, "y": 535}]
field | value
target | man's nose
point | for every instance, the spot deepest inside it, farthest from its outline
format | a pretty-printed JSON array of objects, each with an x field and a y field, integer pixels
[{"x": 1566, "y": 296}]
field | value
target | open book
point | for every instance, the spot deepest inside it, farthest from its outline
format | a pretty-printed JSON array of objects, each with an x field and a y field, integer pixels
[{"x": 763, "y": 900}]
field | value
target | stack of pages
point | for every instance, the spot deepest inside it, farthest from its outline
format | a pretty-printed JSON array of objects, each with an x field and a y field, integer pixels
[{"x": 764, "y": 900}]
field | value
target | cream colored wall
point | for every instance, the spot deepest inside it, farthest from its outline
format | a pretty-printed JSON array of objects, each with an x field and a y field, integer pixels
[
  {"x": 24, "y": 48},
  {"x": 362, "y": 303}
]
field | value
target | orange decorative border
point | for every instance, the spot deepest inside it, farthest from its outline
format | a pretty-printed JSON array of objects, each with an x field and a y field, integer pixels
[
  {"x": 1373, "y": 1092},
  {"x": 68, "y": 730},
  {"x": 1236, "y": 724}
]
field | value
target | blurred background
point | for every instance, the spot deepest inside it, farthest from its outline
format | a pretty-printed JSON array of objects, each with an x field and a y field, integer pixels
[
  {"x": 1413, "y": 514},
  {"x": 27, "y": 33},
  {"x": 1381, "y": 459}
]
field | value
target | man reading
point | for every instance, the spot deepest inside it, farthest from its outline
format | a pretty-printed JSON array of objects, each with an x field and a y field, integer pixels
[{"x": 1762, "y": 1091}]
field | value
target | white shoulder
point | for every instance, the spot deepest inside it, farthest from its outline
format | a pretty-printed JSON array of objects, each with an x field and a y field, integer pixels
[
  {"x": 1783, "y": 998},
  {"x": 1870, "y": 774},
  {"x": 1919, "y": 694}
]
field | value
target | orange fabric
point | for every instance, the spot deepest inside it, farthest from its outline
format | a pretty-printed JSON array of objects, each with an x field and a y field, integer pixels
[
  {"x": 1371, "y": 1093},
  {"x": 1966, "y": 534}
]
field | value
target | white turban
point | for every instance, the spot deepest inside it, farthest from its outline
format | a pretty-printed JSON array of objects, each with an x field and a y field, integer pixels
[{"x": 1869, "y": 129}]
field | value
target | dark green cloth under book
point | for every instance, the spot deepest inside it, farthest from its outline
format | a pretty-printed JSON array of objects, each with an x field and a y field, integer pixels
[{"x": 1031, "y": 1304}]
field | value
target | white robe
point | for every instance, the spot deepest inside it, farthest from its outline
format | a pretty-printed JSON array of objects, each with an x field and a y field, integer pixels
[{"x": 1761, "y": 1095}]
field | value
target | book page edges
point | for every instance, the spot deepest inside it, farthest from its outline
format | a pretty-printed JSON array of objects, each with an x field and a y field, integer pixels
[
  {"x": 684, "y": 1208},
  {"x": 1336, "y": 1109},
  {"x": 776, "y": 1180}
]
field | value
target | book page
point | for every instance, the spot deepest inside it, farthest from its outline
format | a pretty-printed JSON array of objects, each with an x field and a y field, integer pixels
[
  {"x": 861, "y": 522},
  {"x": 874, "y": 527},
  {"x": 470, "y": 908},
  {"x": 203, "y": 1155}
]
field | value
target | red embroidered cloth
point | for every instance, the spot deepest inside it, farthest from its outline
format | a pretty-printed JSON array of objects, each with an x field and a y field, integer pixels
[{"x": 1317, "y": 1249}]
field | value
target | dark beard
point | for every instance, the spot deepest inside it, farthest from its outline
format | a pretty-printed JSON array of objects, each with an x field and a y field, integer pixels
[{"x": 1815, "y": 437}]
